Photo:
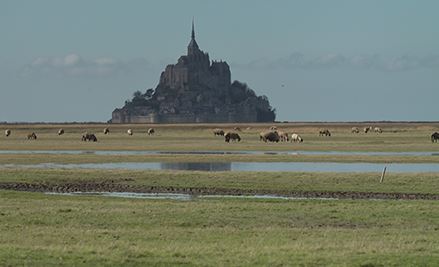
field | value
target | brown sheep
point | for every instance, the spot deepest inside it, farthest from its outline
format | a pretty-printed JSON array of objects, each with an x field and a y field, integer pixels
[
  {"x": 283, "y": 136},
  {"x": 324, "y": 132},
  {"x": 89, "y": 137},
  {"x": 434, "y": 137},
  {"x": 271, "y": 136},
  {"x": 32, "y": 136},
  {"x": 231, "y": 136},
  {"x": 218, "y": 131}
]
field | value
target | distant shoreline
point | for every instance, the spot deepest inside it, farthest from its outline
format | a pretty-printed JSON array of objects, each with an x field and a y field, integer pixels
[{"x": 213, "y": 123}]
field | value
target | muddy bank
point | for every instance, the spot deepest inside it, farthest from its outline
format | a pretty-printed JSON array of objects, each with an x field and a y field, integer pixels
[{"x": 112, "y": 186}]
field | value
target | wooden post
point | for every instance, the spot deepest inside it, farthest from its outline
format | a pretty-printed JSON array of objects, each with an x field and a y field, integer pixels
[{"x": 382, "y": 175}]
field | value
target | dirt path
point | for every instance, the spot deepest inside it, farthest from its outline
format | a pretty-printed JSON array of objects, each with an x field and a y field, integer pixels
[{"x": 112, "y": 186}]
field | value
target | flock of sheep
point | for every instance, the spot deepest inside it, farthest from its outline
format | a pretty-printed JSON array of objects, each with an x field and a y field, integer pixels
[
  {"x": 271, "y": 135},
  {"x": 274, "y": 135},
  {"x": 367, "y": 129},
  {"x": 85, "y": 137}
]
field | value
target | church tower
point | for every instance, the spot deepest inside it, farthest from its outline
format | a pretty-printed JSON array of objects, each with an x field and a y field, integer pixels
[
  {"x": 196, "y": 57},
  {"x": 192, "y": 48}
]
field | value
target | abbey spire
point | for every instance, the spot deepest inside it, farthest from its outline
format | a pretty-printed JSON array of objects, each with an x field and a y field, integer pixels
[
  {"x": 192, "y": 48},
  {"x": 193, "y": 31}
]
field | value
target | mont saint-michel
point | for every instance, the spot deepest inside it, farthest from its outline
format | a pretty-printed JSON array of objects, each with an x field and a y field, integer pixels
[{"x": 196, "y": 90}]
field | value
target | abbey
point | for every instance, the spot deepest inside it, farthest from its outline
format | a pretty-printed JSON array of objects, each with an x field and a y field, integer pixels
[{"x": 196, "y": 90}]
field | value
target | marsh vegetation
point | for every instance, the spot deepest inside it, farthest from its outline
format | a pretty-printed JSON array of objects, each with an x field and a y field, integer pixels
[{"x": 41, "y": 229}]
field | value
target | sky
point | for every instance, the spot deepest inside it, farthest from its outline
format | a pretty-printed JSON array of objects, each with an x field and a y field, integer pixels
[{"x": 339, "y": 60}]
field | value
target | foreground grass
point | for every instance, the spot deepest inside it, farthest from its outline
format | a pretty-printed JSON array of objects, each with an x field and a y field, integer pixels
[
  {"x": 49, "y": 230},
  {"x": 46, "y": 230},
  {"x": 426, "y": 183}
]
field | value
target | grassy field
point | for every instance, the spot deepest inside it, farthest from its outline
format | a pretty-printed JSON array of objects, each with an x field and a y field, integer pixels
[
  {"x": 426, "y": 183},
  {"x": 187, "y": 137},
  {"x": 47, "y": 230},
  {"x": 396, "y": 137},
  {"x": 51, "y": 230}
]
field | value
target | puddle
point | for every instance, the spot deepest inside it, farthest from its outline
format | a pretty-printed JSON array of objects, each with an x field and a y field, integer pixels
[
  {"x": 244, "y": 166},
  {"x": 180, "y": 197},
  {"x": 266, "y": 197},
  {"x": 254, "y": 152},
  {"x": 197, "y": 166}
]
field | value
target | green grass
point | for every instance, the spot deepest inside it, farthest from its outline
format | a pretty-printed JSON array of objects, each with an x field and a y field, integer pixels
[
  {"x": 427, "y": 183},
  {"x": 91, "y": 158},
  {"x": 47, "y": 230},
  {"x": 188, "y": 137}
]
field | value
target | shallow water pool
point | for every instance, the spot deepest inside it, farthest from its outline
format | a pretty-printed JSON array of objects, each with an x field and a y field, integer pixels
[{"x": 244, "y": 166}]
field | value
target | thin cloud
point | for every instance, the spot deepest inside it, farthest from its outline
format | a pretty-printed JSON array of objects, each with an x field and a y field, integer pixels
[
  {"x": 75, "y": 65},
  {"x": 338, "y": 61}
]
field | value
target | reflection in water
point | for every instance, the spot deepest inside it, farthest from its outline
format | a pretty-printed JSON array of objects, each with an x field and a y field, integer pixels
[{"x": 196, "y": 166}]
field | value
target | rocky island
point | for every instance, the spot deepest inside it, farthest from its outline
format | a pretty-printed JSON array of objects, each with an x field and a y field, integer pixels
[{"x": 196, "y": 90}]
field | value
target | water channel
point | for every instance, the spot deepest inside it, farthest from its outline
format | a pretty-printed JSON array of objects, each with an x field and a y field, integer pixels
[
  {"x": 180, "y": 197},
  {"x": 243, "y": 166}
]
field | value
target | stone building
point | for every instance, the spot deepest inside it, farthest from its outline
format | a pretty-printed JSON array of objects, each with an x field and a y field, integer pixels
[{"x": 196, "y": 90}]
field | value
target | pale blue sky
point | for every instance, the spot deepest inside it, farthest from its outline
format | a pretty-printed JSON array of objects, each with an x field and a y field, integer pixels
[{"x": 315, "y": 60}]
